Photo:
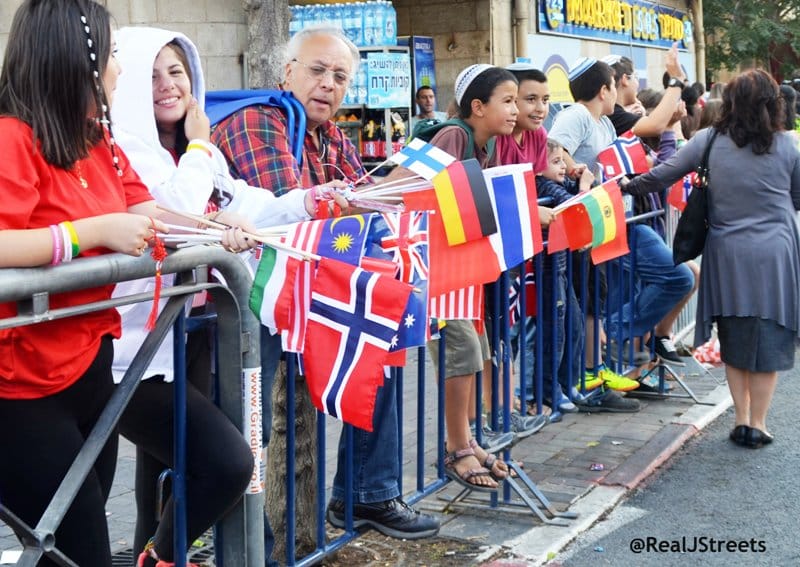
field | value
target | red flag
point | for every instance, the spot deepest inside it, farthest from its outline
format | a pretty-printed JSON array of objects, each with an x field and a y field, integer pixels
[
  {"x": 625, "y": 155},
  {"x": 452, "y": 267},
  {"x": 679, "y": 192},
  {"x": 464, "y": 202},
  {"x": 352, "y": 322},
  {"x": 577, "y": 226},
  {"x": 557, "y": 236},
  {"x": 619, "y": 245}
]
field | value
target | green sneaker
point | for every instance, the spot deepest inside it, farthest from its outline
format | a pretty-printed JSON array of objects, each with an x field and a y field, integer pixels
[{"x": 612, "y": 380}]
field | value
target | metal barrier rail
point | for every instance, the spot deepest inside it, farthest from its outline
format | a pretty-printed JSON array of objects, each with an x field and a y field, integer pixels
[
  {"x": 241, "y": 532},
  {"x": 427, "y": 484}
]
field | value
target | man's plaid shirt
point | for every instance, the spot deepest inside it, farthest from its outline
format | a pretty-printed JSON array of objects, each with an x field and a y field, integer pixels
[{"x": 256, "y": 144}]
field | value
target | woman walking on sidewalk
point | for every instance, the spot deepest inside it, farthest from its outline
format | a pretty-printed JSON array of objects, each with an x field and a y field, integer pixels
[{"x": 750, "y": 283}]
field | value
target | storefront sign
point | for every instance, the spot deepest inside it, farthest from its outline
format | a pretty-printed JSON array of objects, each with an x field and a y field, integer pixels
[
  {"x": 388, "y": 80},
  {"x": 617, "y": 21}
]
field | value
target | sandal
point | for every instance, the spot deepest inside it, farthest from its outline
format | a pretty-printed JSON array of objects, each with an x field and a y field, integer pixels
[
  {"x": 467, "y": 477},
  {"x": 497, "y": 469}
]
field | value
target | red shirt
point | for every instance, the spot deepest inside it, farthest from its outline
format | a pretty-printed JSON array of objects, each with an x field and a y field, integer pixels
[{"x": 45, "y": 358}]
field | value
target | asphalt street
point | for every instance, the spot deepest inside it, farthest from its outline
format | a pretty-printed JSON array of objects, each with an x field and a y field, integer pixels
[{"x": 708, "y": 494}]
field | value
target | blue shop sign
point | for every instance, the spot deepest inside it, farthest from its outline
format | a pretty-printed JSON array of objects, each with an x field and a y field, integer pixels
[
  {"x": 617, "y": 21},
  {"x": 388, "y": 80}
]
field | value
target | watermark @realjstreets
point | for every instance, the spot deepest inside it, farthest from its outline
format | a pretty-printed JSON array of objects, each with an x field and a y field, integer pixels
[{"x": 696, "y": 544}]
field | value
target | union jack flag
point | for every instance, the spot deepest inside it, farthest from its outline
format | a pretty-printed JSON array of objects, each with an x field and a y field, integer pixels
[
  {"x": 514, "y": 300},
  {"x": 352, "y": 323},
  {"x": 624, "y": 156},
  {"x": 408, "y": 244}
]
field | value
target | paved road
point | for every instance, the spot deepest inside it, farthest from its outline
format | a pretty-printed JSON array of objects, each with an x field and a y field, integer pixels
[{"x": 711, "y": 489}]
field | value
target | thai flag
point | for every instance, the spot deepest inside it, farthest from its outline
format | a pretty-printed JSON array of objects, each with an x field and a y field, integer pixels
[
  {"x": 512, "y": 190},
  {"x": 352, "y": 323},
  {"x": 624, "y": 156},
  {"x": 424, "y": 159}
]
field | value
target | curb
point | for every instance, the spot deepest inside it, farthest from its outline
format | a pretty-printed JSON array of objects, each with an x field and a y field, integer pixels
[{"x": 540, "y": 544}]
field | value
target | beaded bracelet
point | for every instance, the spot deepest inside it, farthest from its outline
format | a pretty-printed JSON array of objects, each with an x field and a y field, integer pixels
[
  {"x": 56, "y": 234},
  {"x": 73, "y": 238}
]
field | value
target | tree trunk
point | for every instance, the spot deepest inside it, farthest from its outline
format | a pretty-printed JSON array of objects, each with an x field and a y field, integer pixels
[
  {"x": 305, "y": 467},
  {"x": 267, "y": 34}
]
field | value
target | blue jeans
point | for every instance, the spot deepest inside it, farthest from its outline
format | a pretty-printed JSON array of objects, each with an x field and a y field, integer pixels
[
  {"x": 376, "y": 469},
  {"x": 658, "y": 285}
]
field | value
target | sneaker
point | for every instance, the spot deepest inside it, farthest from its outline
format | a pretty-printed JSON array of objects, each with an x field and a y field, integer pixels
[
  {"x": 612, "y": 380},
  {"x": 146, "y": 559},
  {"x": 393, "y": 518},
  {"x": 590, "y": 383},
  {"x": 609, "y": 401},
  {"x": 666, "y": 351},
  {"x": 526, "y": 425},
  {"x": 493, "y": 441},
  {"x": 640, "y": 358}
]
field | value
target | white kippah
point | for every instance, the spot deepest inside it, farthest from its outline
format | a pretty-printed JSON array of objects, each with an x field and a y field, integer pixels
[
  {"x": 465, "y": 78},
  {"x": 522, "y": 66},
  {"x": 611, "y": 59},
  {"x": 580, "y": 67}
]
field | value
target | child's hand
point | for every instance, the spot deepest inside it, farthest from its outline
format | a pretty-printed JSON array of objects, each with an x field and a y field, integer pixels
[
  {"x": 586, "y": 180},
  {"x": 577, "y": 170},
  {"x": 546, "y": 216}
]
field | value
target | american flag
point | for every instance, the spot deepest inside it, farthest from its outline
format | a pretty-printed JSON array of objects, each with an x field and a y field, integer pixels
[{"x": 465, "y": 303}]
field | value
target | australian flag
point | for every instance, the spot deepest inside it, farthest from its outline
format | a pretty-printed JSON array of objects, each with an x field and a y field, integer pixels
[{"x": 403, "y": 239}]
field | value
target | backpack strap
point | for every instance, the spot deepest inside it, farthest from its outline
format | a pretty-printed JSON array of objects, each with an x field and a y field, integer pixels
[
  {"x": 221, "y": 104},
  {"x": 427, "y": 134}
]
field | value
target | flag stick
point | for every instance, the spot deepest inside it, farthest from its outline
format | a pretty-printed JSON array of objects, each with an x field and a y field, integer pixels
[{"x": 258, "y": 238}]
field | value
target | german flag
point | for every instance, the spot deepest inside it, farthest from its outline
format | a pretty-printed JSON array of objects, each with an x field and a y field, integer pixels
[{"x": 464, "y": 202}]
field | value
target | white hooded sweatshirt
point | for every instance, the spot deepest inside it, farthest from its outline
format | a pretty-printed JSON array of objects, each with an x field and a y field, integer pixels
[{"x": 187, "y": 186}]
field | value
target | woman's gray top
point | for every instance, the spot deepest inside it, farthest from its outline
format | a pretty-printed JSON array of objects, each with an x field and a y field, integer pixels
[{"x": 751, "y": 260}]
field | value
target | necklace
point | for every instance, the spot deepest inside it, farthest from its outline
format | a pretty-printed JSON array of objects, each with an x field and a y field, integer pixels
[{"x": 78, "y": 172}]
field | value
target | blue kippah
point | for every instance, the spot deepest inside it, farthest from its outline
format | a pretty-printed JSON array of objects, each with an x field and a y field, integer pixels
[{"x": 580, "y": 67}]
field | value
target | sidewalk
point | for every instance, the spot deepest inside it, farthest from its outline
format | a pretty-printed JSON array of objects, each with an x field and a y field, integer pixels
[{"x": 558, "y": 459}]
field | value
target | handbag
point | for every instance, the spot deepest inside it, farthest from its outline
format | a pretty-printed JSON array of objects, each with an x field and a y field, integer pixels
[{"x": 690, "y": 234}]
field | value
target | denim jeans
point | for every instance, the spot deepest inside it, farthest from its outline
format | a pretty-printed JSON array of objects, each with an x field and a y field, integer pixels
[
  {"x": 658, "y": 285},
  {"x": 553, "y": 332},
  {"x": 376, "y": 469}
]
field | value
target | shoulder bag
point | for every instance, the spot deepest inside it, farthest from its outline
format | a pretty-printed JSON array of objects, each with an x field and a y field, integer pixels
[{"x": 690, "y": 234}]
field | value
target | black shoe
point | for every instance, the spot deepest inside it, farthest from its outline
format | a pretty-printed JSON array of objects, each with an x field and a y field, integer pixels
[
  {"x": 756, "y": 438},
  {"x": 640, "y": 358},
  {"x": 393, "y": 518},
  {"x": 739, "y": 434},
  {"x": 666, "y": 351}
]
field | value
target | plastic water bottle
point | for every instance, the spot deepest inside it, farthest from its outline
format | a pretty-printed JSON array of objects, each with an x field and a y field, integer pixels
[
  {"x": 296, "y": 21},
  {"x": 379, "y": 22},
  {"x": 369, "y": 23},
  {"x": 310, "y": 15},
  {"x": 390, "y": 15}
]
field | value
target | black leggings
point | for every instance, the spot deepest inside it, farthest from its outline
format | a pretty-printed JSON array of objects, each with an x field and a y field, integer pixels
[
  {"x": 218, "y": 459},
  {"x": 40, "y": 438}
]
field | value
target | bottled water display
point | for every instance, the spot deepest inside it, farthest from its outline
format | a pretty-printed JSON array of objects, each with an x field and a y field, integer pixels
[{"x": 364, "y": 23}]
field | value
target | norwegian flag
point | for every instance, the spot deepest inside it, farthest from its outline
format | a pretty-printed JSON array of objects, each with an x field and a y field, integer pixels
[
  {"x": 514, "y": 302},
  {"x": 624, "y": 156},
  {"x": 352, "y": 323},
  {"x": 679, "y": 192}
]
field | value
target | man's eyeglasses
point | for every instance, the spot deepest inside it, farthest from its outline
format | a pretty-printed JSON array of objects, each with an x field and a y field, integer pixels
[{"x": 318, "y": 72}]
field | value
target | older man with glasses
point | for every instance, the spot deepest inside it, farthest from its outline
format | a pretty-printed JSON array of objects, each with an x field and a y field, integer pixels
[{"x": 320, "y": 65}]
